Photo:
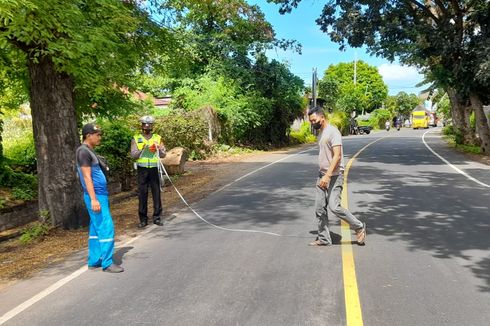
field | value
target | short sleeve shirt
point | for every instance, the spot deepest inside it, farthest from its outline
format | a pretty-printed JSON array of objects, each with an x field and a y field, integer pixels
[
  {"x": 330, "y": 138},
  {"x": 86, "y": 157}
]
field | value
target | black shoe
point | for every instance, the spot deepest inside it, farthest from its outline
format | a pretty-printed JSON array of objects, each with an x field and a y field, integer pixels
[
  {"x": 114, "y": 269},
  {"x": 158, "y": 222},
  {"x": 142, "y": 224}
]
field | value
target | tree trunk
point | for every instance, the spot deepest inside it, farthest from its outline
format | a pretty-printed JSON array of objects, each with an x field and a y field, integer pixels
[
  {"x": 460, "y": 112},
  {"x": 481, "y": 123},
  {"x": 1, "y": 143},
  {"x": 56, "y": 138}
]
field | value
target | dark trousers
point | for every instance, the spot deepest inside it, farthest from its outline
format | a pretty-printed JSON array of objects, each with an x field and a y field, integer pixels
[{"x": 149, "y": 177}]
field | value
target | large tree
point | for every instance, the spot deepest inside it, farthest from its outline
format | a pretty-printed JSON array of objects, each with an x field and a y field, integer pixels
[
  {"x": 366, "y": 91},
  {"x": 449, "y": 39},
  {"x": 402, "y": 103},
  {"x": 73, "y": 52}
]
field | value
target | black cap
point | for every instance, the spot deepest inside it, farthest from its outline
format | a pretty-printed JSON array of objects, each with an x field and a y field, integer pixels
[{"x": 90, "y": 128}]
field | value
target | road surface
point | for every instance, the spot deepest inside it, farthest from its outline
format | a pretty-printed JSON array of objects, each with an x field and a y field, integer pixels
[{"x": 426, "y": 261}]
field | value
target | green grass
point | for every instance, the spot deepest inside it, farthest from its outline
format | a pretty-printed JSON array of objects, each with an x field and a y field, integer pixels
[
  {"x": 473, "y": 149},
  {"x": 34, "y": 232}
]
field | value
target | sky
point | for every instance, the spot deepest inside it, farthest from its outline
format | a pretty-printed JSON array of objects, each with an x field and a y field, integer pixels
[{"x": 319, "y": 52}]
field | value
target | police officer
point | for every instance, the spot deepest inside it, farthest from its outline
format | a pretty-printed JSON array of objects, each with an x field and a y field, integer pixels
[{"x": 146, "y": 149}]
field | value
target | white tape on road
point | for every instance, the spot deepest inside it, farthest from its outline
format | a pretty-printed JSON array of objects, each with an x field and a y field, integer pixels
[
  {"x": 451, "y": 165},
  {"x": 161, "y": 166}
]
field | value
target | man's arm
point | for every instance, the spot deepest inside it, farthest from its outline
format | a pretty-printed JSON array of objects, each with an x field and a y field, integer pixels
[
  {"x": 325, "y": 180},
  {"x": 87, "y": 178},
  {"x": 135, "y": 152},
  {"x": 162, "y": 149}
]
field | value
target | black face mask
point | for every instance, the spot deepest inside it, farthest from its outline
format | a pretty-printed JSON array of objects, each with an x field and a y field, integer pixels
[{"x": 317, "y": 125}]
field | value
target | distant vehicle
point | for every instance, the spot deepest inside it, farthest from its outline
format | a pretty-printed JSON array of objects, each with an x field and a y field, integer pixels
[
  {"x": 420, "y": 119},
  {"x": 364, "y": 130},
  {"x": 432, "y": 120}
]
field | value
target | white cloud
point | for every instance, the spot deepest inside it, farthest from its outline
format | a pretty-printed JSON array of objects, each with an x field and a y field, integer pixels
[{"x": 397, "y": 73}]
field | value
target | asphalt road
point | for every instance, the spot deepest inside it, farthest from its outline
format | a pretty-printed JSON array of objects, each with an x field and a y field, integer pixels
[{"x": 426, "y": 261}]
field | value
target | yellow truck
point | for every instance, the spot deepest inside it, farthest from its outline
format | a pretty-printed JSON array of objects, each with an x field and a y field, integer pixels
[{"x": 420, "y": 119}]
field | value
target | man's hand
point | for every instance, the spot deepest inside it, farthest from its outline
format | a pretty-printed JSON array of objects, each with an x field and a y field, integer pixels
[
  {"x": 324, "y": 181},
  {"x": 153, "y": 148},
  {"x": 95, "y": 205}
]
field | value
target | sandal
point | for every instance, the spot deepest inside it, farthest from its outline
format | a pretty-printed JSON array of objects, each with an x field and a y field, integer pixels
[
  {"x": 361, "y": 234},
  {"x": 318, "y": 243}
]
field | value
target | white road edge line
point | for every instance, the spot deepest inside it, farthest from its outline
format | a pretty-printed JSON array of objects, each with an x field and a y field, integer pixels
[
  {"x": 26, "y": 304},
  {"x": 52, "y": 288},
  {"x": 448, "y": 163}
]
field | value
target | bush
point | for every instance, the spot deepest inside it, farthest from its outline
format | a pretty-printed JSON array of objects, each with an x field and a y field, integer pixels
[
  {"x": 448, "y": 130},
  {"x": 115, "y": 148},
  {"x": 21, "y": 153},
  {"x": 341, "y": 121},
  {"x": 24, "y": 185},
  {"x": 23, "y": 193},
  {"x": 188, "y": 130},
  {"x": 303, "y": 135},
  {"x": 34, "y": 232},
  {"x": 18, "y": 142},
  {"x": 379, "y": 117}
]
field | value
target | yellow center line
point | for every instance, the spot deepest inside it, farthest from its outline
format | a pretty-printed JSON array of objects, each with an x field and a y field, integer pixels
[{"x": 353, "y": 309}]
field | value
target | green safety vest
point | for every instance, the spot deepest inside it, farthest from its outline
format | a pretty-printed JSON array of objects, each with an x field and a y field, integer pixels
[{"x": 147, "y": 158}]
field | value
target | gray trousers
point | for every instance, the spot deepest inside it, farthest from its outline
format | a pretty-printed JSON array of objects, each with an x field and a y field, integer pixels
[{"x": 328, "y": 204}]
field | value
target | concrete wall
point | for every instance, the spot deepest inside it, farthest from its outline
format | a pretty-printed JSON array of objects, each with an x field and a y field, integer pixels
[
  {"x": 22, "y": 214},
  {"x": 18, "y": 215}
]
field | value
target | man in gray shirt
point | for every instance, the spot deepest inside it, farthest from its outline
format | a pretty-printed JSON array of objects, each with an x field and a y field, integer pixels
[{"x": 330, "y": 181}]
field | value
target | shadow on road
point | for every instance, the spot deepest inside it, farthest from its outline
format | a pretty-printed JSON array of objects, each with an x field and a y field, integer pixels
[
  {"x": 119, "y": 254},
  {"x": 439, "y": 212}
]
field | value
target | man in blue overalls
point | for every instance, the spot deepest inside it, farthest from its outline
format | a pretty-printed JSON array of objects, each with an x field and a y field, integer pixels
[{"x": 92, "y": 171}]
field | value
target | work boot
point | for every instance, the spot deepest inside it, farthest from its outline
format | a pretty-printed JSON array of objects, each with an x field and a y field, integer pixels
[
  {"x": 158, "y": 222},
  {"x": 142, "y": 224},
  {"x": 114, "y": 269}
]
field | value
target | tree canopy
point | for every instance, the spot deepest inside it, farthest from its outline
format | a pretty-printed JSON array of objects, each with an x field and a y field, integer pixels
[
  {"x": 402, "y": 104},
  {"x": 338, "y": 89}
]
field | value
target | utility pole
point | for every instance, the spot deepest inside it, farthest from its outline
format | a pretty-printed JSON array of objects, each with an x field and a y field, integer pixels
[
  {"x": 355, "y": 68},
  {"x": 314, "y": 80}
]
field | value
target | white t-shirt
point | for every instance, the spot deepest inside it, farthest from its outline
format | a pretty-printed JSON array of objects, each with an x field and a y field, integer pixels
[{"x": 329, "y": 138}]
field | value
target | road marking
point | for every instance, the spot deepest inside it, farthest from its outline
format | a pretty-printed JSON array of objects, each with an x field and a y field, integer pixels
[
  {"x": 52, "y": 288},
  {"x": 353, "y": 309},
  {"x": 448, "y": 163},
  {"x": 261, "y": 168}
]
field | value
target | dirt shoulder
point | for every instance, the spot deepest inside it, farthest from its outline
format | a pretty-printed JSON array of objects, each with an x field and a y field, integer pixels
[{"x": 18, "y": 261}]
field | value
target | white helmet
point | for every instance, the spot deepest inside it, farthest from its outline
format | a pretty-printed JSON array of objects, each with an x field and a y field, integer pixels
[{"x": 147, "y": 119}]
